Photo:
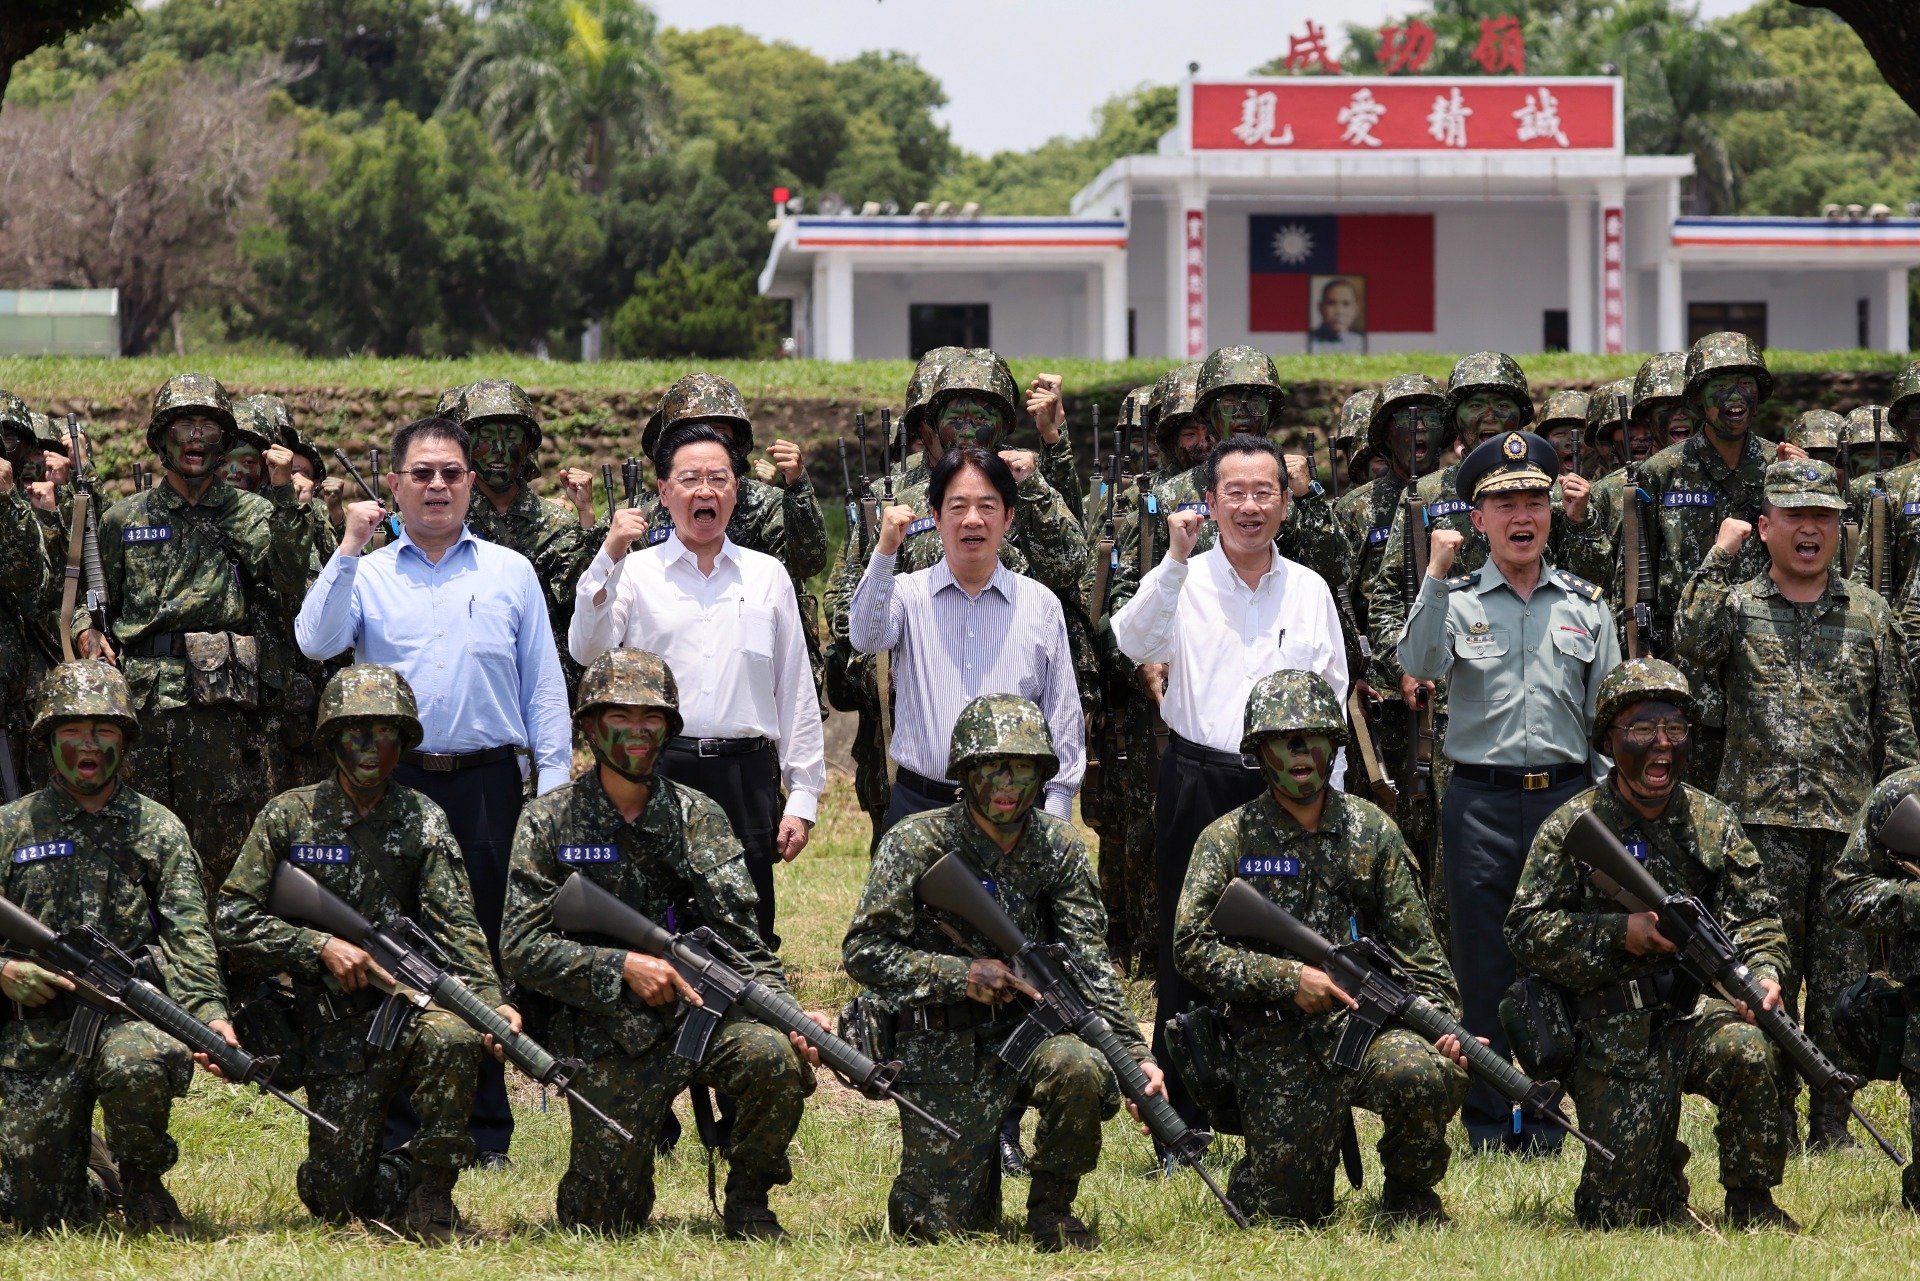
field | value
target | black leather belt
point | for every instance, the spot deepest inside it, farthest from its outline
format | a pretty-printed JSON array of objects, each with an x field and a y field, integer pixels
[
  {"x": 961, "y": 1016},
  {"x": 1648, "y": 992},
  {"x": 160, "y": 645},
  {"x": 934, "y": 789},
  {"x": 718, "y": 746},
  {"x": 448, "y": 762},
  {"x": 1245, "y": 1018},
  {"x": 1210, "y": 756},
  {"x": 1522, "y": 780}
]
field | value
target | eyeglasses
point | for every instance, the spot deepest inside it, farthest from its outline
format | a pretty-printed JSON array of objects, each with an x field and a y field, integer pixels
[
  {"x": 196, "y": 430},
  {"x": 695, "y": 479},
  {"x": 1258, "y": 497},
  {"x": 1642, "y": 733},
  {"x": 451, "y": 474}
]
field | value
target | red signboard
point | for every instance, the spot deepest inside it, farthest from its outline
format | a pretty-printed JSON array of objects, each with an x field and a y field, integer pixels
[
  {"x": 1376, "y": 114},
  {"x": 1193, "y": 270},
  {"x": 1613, "y": 279}
]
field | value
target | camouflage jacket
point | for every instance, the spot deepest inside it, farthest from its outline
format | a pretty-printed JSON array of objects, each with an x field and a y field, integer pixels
[
  {"x": 166, "y": 574},
  {"x": 405, "y": 839},
  {"x": 896, "y": 949},
  {"x": 128, "y": 871},
  {"x": 678, "y": 864},
  {"x": 1871, "y": 893},
  {"x": 1565, "y": 930},
  {"x": 547, "y": 533},
  {"x": 1817, "y": 695},
  {"x": 783, "y": 523},
  {"x": 1903, "y": 511},
  {"x": 1355, "y": 873},
  {"x": 1366, "y": 513},
  {"x": 1057, "y": 465},
  {"x": 24, "y": 575}
]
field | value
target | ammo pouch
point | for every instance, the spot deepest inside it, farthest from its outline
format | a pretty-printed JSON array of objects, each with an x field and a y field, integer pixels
[
  {"x": 867, "y": 1026},
  {"x": 1870, "y": 1020},
  {"x": 264, "y": 1023},
  {"x": 1539, "y": 1027},
  {"x": 1201, "y": 1049},
  {"x": 223, "y": 670}
]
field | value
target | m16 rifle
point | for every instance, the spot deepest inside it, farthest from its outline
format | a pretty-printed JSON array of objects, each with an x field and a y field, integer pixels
[{"x": 1879, "y": 518}]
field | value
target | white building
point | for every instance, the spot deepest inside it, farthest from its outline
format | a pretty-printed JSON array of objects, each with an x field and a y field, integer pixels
[{"x": 1436, "y": 214}]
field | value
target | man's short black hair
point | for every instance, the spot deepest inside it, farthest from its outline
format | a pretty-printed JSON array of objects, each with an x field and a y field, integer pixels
[
  {"x": 696, "y": 433},
  {"x": 986, "y": 462},
  {"x": 435, "y": 428},
  {"x": 1242, "y": 444}
]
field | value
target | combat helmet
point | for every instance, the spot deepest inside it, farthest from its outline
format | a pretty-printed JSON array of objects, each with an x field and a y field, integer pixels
[
  {"x": 926, "y": 376},
  {"x": 85, "y": 689},
  {"x": 190, "y": 395},
  {"x": 448, "y": 406},
  {"x": 1001, "y": 725},
  {"x": 1136, "y": 412},
  {"x": 1487, "y": 371},
  {"x": 367, "y": 692},
  {"x": 498, "y": 398},
  {"x": 1632, "y": 681},
  {"x": 1404, "y": 389},
  {"x": 1235, "y": 369},
  {"x": 977, "y": 371},
  {"x": 1906, "y": 387},
  {"x": 250, "y": 426},
  {"x": 1818, "y": 430},
  {"x": 1292, "y": 702},
  {"x": 277, "y": 415},
  {"x": 624, "y": 677},
  {"x": 1355, "y": 423},
  {"x": 1567, "y": 406},
  {"x": 1726, "y": 352},
  {"x": 15, "y": 418},
  {"x": 1602, "y": 417},
  {"x": 1661, "y": 380},
  {"x": 1176, "y": 398},
  {"x": 1859, "y": 433},
  {"x": 699, "y": 396}
]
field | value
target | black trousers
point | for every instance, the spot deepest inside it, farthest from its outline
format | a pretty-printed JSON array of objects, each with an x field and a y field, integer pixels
[
  {"x": 747, "y": 788},
  {"x": 1191, "y": 793},
  {"x": 906, "y": 799},
  {"x": 1486, "y": 831},
  {"x": 483, "y": 807}
]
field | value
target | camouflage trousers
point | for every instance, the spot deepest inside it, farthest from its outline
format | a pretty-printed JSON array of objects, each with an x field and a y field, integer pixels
[
  {"x": 212, "y": 766},
  {"x": 1910, "y": 1082},
  {"x": 870, "y": 785},
  {"x": 1128, "y": 765},
  {"x": 608, "y": 1186},
  {"x": 135, "y": 1074},
  {"x": 1822, "y": 956},
  {"x": 947, "y": 1186},
  {"x": 1704, "y": 757},
  {"x": 1294, "y": 1103},
  {"x": 438, "y": 1059},
  {"x": 1633, "y": 1068}
]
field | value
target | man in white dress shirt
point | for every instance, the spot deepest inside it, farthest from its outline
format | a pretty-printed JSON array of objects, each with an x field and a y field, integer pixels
[
  {"x": 724, "y": 618},
  {"x": 1220, "y": 621}
]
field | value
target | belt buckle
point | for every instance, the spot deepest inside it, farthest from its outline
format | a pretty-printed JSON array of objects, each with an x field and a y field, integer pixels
[
  {"x": 1535, "y": 781},
  {"x": 701, "y": 747},
  {"x": 1249, "y": 760},
  {"x": 439, "y": 762},
  {"x": 1633, "y": 992}
]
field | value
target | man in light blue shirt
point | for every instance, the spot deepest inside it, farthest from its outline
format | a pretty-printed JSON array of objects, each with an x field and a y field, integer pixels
[{"x": 465, "y": 621}]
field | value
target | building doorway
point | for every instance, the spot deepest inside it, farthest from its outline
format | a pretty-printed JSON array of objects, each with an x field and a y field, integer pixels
[{"x": 946, "y": 324}]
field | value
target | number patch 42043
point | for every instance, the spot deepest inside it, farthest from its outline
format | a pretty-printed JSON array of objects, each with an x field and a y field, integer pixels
[{"x": 1269, "y": 867}]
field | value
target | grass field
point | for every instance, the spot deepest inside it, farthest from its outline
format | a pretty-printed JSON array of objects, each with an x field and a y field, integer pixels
[{"x": 1512, "y": 1218}]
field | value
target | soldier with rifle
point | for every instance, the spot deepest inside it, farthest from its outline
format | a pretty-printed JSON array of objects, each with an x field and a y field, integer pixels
[{"x": 24, "y": 575}]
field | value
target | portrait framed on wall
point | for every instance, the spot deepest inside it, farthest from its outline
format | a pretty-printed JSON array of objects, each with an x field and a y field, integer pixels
[{"x": 1337, "y": 314}]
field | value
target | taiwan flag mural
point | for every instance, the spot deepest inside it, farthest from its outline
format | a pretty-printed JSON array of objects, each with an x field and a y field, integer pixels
[{"x": 1338, "y": 277}]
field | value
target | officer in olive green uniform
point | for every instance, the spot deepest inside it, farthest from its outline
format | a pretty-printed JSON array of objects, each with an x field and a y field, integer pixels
[
  {"x": 89, "y": 851},
  {"x": 1817, "y": 690},
  {"x": 24, "y": 574},
  {"x": 1645, "y": 1032},
  {"x": 1337, "y": 864},
  {"x": 950, "y": 999},
  {"x": 196, "y": 571}
]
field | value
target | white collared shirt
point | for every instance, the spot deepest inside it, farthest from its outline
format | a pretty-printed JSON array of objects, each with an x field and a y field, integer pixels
[
  {"x": 1218, "y": 638},
  {"x": 732, "y": 639}
]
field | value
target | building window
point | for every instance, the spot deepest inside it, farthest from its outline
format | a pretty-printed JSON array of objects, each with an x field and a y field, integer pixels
[
  {"x": 1749, "y": 318},
  {"x": 946, "y": 324},
  {"x": 1554, "y": 331}
]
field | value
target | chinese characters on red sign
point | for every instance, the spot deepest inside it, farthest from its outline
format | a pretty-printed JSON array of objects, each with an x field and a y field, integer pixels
[
  {"x": 1613, "y": 276},
  {"x": 1193, "y": 269},
  {"x": 1305, "y": 52},
  {"x": 1405, "y": 48},
  {"x": 1501, "y": 47},
  {"x": 1430, "y": 114}
]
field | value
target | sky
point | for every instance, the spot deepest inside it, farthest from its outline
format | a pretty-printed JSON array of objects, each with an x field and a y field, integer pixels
[{"x": 1018, "y": 72}]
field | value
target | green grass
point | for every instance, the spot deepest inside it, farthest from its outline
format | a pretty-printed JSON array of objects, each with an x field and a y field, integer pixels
[{"x": 1512, "y": 1219}]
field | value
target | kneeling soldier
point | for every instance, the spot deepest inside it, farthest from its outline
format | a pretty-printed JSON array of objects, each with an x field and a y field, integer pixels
[
  {"x": 950, "y": 997},
  {"x": 669, "y": 853},
  {"x": 1645, "y": 1032},
  {"x": 386, "y": 850},
  {"x": 90, "y": 852},
  {"x": 1338, "y": 864}
]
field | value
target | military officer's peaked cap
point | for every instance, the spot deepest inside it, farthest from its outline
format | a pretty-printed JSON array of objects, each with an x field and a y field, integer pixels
[{"x": 1512, "y": 462}]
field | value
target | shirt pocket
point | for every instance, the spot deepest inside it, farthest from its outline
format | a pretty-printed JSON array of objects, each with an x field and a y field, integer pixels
[
  {"x": 1575, "y": 644},
  {"x": 757, "y": 631},
  {"x": 1480, "y": 666}
]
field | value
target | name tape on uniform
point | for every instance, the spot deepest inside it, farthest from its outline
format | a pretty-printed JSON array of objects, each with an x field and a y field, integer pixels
[
  {"x": 1687, "y": 498},
  {"x": 588, "y": 854},
  {"x": 1252, "y": 866},
  {"x": 1378, "y": 534},
  {"x": 146, "y": 533},
  {"x": 1447, "y": 507},
  {"x": 39, "y": 851},
  {"x": 312, "y": 855},
  {"x": 1638, "y": 849},
  {"x": 920, "y": 526}
]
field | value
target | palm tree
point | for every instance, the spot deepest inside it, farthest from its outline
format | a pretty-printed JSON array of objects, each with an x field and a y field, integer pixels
[{"x": 564, "y": 85}]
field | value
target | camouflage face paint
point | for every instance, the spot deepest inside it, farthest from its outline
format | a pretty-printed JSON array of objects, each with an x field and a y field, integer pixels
[
  {"x": 1487, "y": 413},
  {"x": 1728, "y": 402},
  {"x": 86, "y": 755},
  {"x": 1297, "y": 765},
  {"x": 499, "y": 451},
  {"x": 1679, "y": 423},
  {"x": 1192, "y": 445},
  {"x": 1000, "y": 790},
  {"x": 192, "y": 447},
  {"x": 366, "y": 752},
  {"x": 1411, "y": 430},
  {"x": 627, "y": 740},
  {"x": 1241, "y": 413},
  {"x": 972, "y": 419},
  {"x": 243, "y": 468},
  {"x": 1648, "y": 774}
]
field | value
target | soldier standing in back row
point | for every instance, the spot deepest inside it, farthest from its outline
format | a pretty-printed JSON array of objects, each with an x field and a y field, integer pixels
[{"x": 23, "y": 577}]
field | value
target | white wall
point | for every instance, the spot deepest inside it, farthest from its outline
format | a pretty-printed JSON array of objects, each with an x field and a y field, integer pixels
[
  {"x": 1031, "y": 312},
  {"x": 1806, "y": 310},
  {"x": 1147, "y": 275}
]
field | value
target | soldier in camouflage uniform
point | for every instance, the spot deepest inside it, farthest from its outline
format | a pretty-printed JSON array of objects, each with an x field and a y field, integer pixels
[
  {"x": 1563, "y": 420},
  {"x": 1816, "y": 434},
  {"x": 1336, "y": 863},
  {"x": 306, "y": 761},
  {"x": 949, "y": 998},
  {"x": 24, "y": 575},
  {"x": 385, "y": 850},
  {"x": 1876, "y": 457},
  {"x": 196, "y": 571},
  {"x": 89, "y": 851},
  {"x": 1646, "y": 1033},
  {"x": 1817, "y": 689},
  {"x": 669, "y": 853},
  {"x": 245, "y": 468},
  {"x": 1903, "y": 483}
]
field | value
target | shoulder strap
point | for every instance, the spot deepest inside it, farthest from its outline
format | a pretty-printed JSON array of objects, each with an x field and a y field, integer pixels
[{"x": 221, "y": 543}]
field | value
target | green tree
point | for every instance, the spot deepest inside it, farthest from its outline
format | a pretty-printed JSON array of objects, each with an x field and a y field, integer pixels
[
  {"x": 564, "y": 85},
  {"x": 35, "y": 24},
  {"x": 1044, "y": 180},
  {"x": 416, "y": 238},
  {"x": 681, "y": 310}
]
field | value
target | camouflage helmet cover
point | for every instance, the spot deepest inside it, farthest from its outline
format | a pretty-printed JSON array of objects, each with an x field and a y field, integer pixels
[
  {"x": 15, "y": 414},
  {"x": 368, "y": 692},
  {"x": 1817, "y": 429},
  {"x": 279, "y": 419},
  {"x": 189, "y": 395},
  {"x": 1631, "y": 682},
  {"x": 250, "y": 426},
  {"x": 498, "y": 398},
  {"x": 1722, "y": 353},
  {"x": 1134, "y": 406},
  {"x": 1601, "y": 414},
  {"x": 48, "y": 437},
  {"x": 624, "y": 677},
  {"x": 1001, "y": 725},
  {"x": 1176, "y": 398},
  {"x": 1356, "y": 415},
  {"x": 85, "y": 690},
  {"x": 1859, "y": 429},
  {"x": 1292, "y": 702},
  {"x": 699, "y": 396},
  {"x": 1906, "y": 386},
  {"x": 1403, "y": 389},
  {"x": 1230, "y": 368},
  {"x": 926, "y": 376},
  {"x": 448, "y": 406},
  {"x": 977, "y": 371},
  {"x": 1663, "y": 377},
  {"x": 1486, "y": 371},
  {"x": 1567, "y": 405}
]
